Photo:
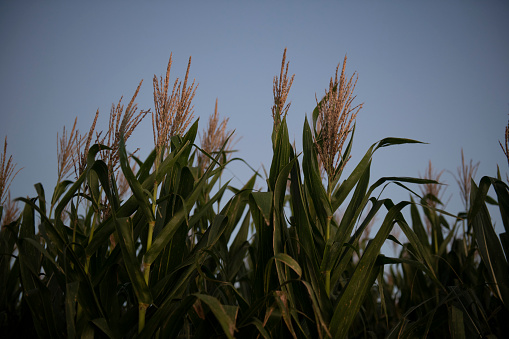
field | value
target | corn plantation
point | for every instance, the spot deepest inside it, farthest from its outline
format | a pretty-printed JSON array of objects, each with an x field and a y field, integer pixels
[{"x": 125, "y": 247}]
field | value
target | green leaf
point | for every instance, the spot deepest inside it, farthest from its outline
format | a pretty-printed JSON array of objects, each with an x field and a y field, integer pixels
[
  {"x": 100, "y": 169},
  {"x": 132, "y": 264},
  {"x": 102, "y": 324},
  {"x": 282, "y": 302},
  {"x": 59, "y": 190},
  {"x": 87, "y": 297},
  {"x": 280, "y": 229},
  {"x": 146, "y": 166},
  {"x": 318, "y": 309},
  {"x": 41, "y": 196},
  {"x": 204, "y": 209},
  {"x": 189, "y": 139},
  {"x": 71, "y": 193},
  {"x": 281, "y": 147},
  {"x": 94, "y": 188},
  {"x": 313, "y": 179},
  {"x": 71, "y": 295},
  {"x": 264, "y": 203},
  {"x": 301, "y": 218},
  {"x": 168, "y": 318},
  {"x": 44, "y": 252},
  {"x": 383, "y": 260},
  {"x": 290, "y": 262},
  {"x": 260, "y": 327},
  {"x": 134, "y": 184},
  {"x": 40, "y": 303},
  {"x": 27, "y": 230},
  {"x": 240, "y": 238},
  {"x": 352, "y": 213},
  {"x": 422, "y": 252},
  {"x": 457, "y": 326},
  {"x": 503, "y": 200},
  {"x": 226, "y": 315},
  {"x": 35, "y": 293},
  {"x": 345, "y": 251},
  {"x": 104, "y": 230},
  {"x": 417, "y": 225},
  {"x": 344, "y": 189},
  {"x": 235, "y": 208},
  {"x": 167, "y": 232},
  {"x": 489, "y": 245},
  {"x": 344, "y": 158},
  {"x": 362, "y": 279},
  {"x": 216, "y": 229}
]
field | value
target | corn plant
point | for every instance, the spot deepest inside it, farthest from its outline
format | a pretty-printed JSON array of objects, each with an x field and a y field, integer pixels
[{"x": 304, "y": 282}]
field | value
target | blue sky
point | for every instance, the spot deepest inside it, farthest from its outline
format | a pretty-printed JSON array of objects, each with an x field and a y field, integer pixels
[{"x": 435, "y": 71}]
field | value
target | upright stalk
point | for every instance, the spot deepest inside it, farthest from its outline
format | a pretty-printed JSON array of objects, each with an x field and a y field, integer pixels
[
  {"x": 327, "y": 273},
  {"x": 92, "y": 230},
  {"x": 151, "y": 225},
  {"x": 91, "y": 235},
  {"x": 146, "y": 267},
  {"x": 327, "y": 237}
]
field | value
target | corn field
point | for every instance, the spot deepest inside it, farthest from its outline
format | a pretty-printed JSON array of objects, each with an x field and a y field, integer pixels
[{"x": 163, "y": 247}]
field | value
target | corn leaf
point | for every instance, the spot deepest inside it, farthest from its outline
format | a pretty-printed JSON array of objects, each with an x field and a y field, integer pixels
[
  {"x": 344, "y": 189},
  {"x": 362, "y": 279},
  {"x": 290, "y": 262},
  {"x": 134, "y": 184},
  {"x": 132, "y": 264},
  {"x": 312, "y": 177},
  {"x": 457, "y": 323},
  {"x": 225, "y": 315},
  {"x": 71, "y": 295},
  {"x": 281, "y": 147},
  {"x": 264, "y": 203},
  {"x": 489, "y": 246}
]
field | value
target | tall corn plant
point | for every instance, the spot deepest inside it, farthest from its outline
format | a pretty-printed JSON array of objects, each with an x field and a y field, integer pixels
[{"x": 303, "y": 280}]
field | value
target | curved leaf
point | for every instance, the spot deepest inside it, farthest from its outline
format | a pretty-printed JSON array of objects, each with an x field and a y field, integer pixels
[
  {"x": 290, "y": 262},
  {"x": 489, "y": 245},
  {"x": 362, "y": 279},
  {"x": 226, "y": 315}
]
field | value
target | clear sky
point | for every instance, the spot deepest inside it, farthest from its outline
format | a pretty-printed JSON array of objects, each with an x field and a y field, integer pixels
[{"x": 435, "y": 71}]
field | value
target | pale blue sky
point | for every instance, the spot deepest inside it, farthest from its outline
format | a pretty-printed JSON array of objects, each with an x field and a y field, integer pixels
[{"x": 436, "y": 71}]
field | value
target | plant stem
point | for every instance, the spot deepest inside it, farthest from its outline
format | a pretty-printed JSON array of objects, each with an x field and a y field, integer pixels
[
  {"x": 151, "y": 225},
  {"x": 141, "y": 319},
  {"x": 92, "y": 229},
  {"x": 327, "y": 237},
  {"x": 146, "y": 267},
  {"x": 149, "y": 245}
]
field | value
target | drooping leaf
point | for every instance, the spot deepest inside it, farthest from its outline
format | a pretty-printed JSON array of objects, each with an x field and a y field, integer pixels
[
  {"x": 344, "y": 189},
  {"x": 290, "y": 262},
  {"x": 226, "y": 315}
]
